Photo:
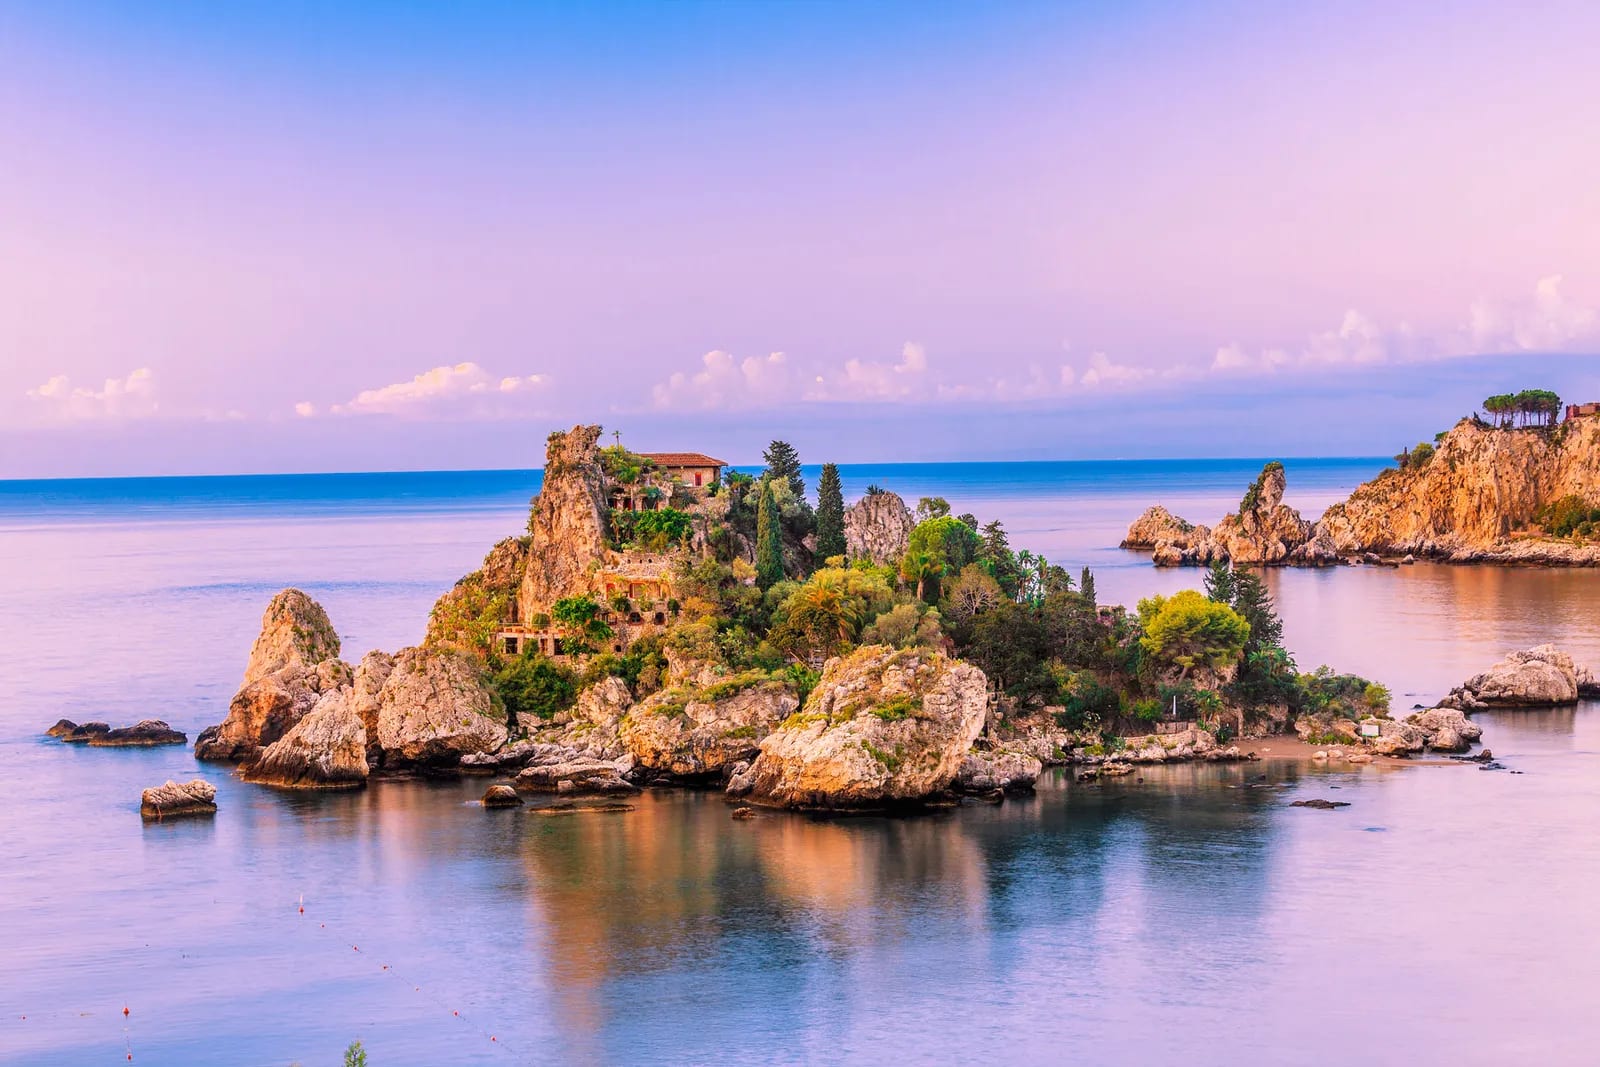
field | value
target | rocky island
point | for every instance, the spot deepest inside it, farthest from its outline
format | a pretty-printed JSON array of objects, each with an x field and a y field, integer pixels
[
  {"x": 1487, "y": 491},
  {"x": 668, "y": 621}
]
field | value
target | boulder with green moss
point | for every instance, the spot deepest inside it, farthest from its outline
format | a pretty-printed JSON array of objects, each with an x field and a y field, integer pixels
[{"x": 704, "y": 731}]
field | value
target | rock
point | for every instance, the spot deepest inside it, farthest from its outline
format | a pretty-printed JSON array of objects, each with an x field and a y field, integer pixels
[
  {"x": 882, "y": 727},
  {"x": 74, "y": 734},
  {"x": 293, "y": 660},
  {"x": 1263, "y": 531},
  {"x": 695, "y": 736},
  {"x": 365, "y": 686},
  {"x": 1397, "y": 739},
  {"x": 327, "y": 749},
  {"x": 1320, "y": 804},
  {"x": 877, "y": 527},
  {"x": 500, "y": 578},
  {"x": 1157, "y": 525},
  {"x": 567, "y": 529},
  {"x": 172, "y": 800},
  {"x": 1446, "y": 729},
  {"x": 295, "y": 631},
  {"x": 144, "y": 733},
  {"x": 1319, "y": 756},
  {"x": 580, "y": 775},
  {"x": 1358, "y": 757},
  {"x": 744, "y": 813},
  {"x": 1535, "y": 677},
  {"x": 434, "y": 708},
  {"x": 1008, "y": 771},
  {"x": 501, "y": 796}
]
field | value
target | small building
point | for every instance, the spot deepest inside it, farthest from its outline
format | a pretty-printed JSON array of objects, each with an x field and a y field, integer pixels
[
  {"x": 694, "y": 469},
  {"x": 1575, "y": 411}
]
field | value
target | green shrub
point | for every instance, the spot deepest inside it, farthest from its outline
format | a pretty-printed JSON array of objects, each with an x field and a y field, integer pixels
[{"x": 534, "y": 686}]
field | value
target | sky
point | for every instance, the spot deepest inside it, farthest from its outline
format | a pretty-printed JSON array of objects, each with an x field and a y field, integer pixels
[{"x": 310, "y": 237}]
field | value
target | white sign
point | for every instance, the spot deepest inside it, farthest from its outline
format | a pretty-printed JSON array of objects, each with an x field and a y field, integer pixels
[{"x": 1370, "y": 729}]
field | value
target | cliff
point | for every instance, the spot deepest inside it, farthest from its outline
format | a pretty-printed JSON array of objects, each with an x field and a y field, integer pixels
[
  {"x": 567, "y": 531},
  {"x": 1476, "y": 499}
]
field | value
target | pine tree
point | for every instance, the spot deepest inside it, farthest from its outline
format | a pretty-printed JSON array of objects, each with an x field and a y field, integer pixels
[
  {"x": 783, "y": 464},
  {"x": 1220, "y": 582},
  {"x": 1086, "y": 586},
  {"x": 994, "y": 553},
  {"x": 830, "y": 514},
  {"x": 1251, "y": 599},
  {"x": 769, "y": 538}
]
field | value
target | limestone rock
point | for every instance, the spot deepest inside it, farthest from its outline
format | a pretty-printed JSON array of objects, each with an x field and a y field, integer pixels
[
  {"x": 501, "y": 796},
  {"x": 144, "y": 733},
  {"x": 1156, "y": 525},
  {"x": 75, "y": 734},
  {"x": 1535, "y": 677},
  {"x": 878, "y": 527},
  {"x": 1398, "y": 739},
  {"x": 365, "y": 686},
  {"x": 1447, "y": 729},
  {"x": 327, "y": 749},
  {"x": 695, "y": 735},
  {"x": 497, "y": 582},
  {"x": 984, "y": 772},
  {"x": 175, "y": 799},
  {"x": 567, "y": 530},
  {"x": 295, "y": 631},
  {"x": 1263, "y": 532},
  {"x": 578, "y": 775},
  {"x": 434, "y": 708},
  {"x": 882, "y": 727}
]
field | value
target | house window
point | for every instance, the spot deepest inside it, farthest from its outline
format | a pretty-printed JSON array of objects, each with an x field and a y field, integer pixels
[
  {"x": 698, "y": 477},
  {"x": 559, "y": 651},
  {"x": 660, "y": 619},
  {"x": 511, "y": 646}
]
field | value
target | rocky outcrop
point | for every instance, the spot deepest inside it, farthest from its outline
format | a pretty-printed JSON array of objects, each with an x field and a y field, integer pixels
[
  {"x": 1263, "y": 532},
  {"x": 883, "y": 727},
  {"x": 294, "y": 660},
  {"x": 486, "y": 593},
  {"x": 983, "y": 772},
  {"x": 1535, "y": 677},
  {"x": 567, "y": 530},
  {"x": 501, "y": 796},
  {"x": 590, "y": 728},
  {"x": 1475, "y": 499},
  {"x": 176, "y": 799},
  {"x": 574, "y": 776},
  {"x": 1446, "y": 729},
  {"x": 877, "y": 527},
  {"x": 142, "y": 734},
  {"x": 434, "y": 708},
  {"x": 690, "y": 735},
  {"x": 327, "y": 749},
  {"x": 366, "y": 686}
]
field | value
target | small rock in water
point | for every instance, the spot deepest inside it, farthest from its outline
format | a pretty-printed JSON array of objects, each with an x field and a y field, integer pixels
[
  {"x": 73, "y": 733},
  {"x": 744, "y": 813},
  {"x": 501, "y": 796},
  {"x": 1320, "y": 804},
  {"x": 198, "y": 797}
]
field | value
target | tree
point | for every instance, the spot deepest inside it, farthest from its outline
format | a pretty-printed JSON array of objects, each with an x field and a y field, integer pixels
[
  {"x": 932, "y": 507},
  {"x": 1254, "y": 604},
  {"x": 937, "y": 549},
  {"x": 1219, "y": 582},
  {"x": 830, "y": 514},
  {"x": 580, "y": 622},
  {"x": 1086, "y": 586},
  {"x": 769, "y": 537},
  {"x": 1188, "y": 630},
  {"x": 995, "y": 555},
  {"x": 974, "y": 592},
  {"x": 783, "y": 465},
  {"x": 355, "y": 1055},
  {"x": 534, "y": 686}
]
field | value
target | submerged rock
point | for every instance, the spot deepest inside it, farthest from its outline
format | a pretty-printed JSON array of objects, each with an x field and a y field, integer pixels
[
  {"x": 882, "y": 727},
  {"x": 174, "y": 799},
  {"x": 1320, "y": 804},
  {"x": 325, "y": 750},
  {"x": 1535, "y": 677}
]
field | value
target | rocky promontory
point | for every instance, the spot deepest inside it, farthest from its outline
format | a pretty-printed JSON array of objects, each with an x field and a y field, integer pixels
[
  {"x": 1543, "y": 676},
  {"x": 1479, "y": 496}
]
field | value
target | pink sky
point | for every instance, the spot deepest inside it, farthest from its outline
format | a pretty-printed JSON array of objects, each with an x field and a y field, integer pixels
[{"x": 367, "y": 241}]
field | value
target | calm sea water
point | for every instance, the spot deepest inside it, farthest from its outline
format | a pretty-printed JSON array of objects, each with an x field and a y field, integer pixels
[{"x": 1445, "y": 916}]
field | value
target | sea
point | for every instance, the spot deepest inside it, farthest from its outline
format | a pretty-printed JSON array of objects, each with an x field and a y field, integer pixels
[{"x": 1185, "y": 915}]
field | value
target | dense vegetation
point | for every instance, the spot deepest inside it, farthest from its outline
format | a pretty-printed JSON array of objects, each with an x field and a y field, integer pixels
[
  {"x": 1530, "y": 407},
  {"x": 1571, "y": 516}
]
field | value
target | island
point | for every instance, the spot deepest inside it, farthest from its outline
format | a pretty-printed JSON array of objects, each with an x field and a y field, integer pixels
[
  {"x": 668, "y": 620},
  {"x": 1517, "y": 484}
]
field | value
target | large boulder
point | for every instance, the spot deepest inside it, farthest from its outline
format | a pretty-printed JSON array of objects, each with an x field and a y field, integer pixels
[
  {"x": 1156, "y": 525},
  {"x": 883, "y": 727},
  {"x": 689, "y": 735},
  {"x": 1399, "y": 739},
  {"x": 434, "y": 708},
  {"x": 327, "y": 749},
  {"x": 1447, "y": 729},
  {"x": 878, "y": 527},
  {"x": 142, "y": 734},
  {"x": 575, "y": 775},
  {"x": 1535, "y": 677},
  {"x": 365, "y": 687},
  {"x": 1003, "y": 769},
  {"x": 294, "y": 660},
  {"x": 174, "y": 799}
]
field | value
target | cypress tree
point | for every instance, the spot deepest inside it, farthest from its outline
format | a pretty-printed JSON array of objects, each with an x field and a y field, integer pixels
[
  {"x": 769, "y": 538},
  {"x": 830, "y": 514},
  {"x": 1086, "y": 586},
  {"x": 783, "y": 464}
]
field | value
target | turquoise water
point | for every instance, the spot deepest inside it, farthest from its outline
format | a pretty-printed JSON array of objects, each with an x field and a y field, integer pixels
[{"x": 1443, "y": 916}]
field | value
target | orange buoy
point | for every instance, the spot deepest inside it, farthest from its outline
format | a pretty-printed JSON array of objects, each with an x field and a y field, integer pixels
[{"x": 124, "y": 1011}]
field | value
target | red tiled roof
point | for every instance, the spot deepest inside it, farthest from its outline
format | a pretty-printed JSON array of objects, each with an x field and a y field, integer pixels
[{"x": 683, "y": 459}]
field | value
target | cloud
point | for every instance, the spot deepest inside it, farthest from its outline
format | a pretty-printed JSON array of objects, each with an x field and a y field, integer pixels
[
  {"x": 865, "y": 380},
  {"x": 724, "y": 382},
  {"x": 460, "y": 390},
  {"x": 1548, "y": 322},
  {"x": 133, "y": 397},
  {"x": 1103, "y": 372}
]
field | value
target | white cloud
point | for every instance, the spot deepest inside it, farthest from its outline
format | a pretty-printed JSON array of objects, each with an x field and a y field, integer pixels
[
  {"x": 459, "y": 389},
  {"x": 1102, "y": 371},
  {"x": 724, "y": 381},
  {"x": 1548, "y": 322},
  {"x": 867, "y": 380},
  {"x": 305, "y": 409},
  {"x": 132, "y": 397}
]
